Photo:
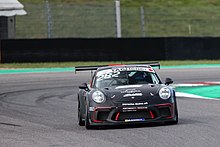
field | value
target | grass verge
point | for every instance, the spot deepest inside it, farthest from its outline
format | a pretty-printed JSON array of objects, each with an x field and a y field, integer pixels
[
  {"x": 73, "y": 64},
  {"x": 96, "y": 18}
]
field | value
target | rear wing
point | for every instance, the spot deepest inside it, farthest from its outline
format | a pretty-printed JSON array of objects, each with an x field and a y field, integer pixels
[{"x": 90, "y": 68}]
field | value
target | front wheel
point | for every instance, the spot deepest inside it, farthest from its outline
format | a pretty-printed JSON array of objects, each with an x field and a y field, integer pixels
[
  {"x": 87, "y": 123},
  {"x": 176, "y": 116},
  {"x": 174, "y": 121},
  {"x": 81, "y": 122}
]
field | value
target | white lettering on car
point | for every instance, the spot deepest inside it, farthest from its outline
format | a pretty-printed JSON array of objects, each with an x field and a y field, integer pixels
[
  {"x": 108, "y": 75},
  {"x": 128, "y": 86},
  {"x": 133, "y": 94},
  {"x": 134, "y": 104},
  {"x": 149, "y": 69},
  {"x": 130, "y": 91}
]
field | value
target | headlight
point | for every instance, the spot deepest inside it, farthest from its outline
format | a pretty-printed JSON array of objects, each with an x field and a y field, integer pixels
[
  {"x": 165, "y": 93},
  {"x": 98, "y": 97}
]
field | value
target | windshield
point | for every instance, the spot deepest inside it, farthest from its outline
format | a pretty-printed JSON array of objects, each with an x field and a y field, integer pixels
[{"x": 116, "y": 77}]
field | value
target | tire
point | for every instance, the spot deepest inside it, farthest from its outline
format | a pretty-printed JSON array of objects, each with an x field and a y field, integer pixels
[
  {"x": 87, "y": 123},
  {"x": 176, "y": 116},
  {"x": 174, "y": 121},
  {"x": 81, "y": 122}
]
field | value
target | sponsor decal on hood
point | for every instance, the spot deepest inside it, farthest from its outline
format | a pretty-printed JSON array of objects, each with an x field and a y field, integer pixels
[
  {"x": 130, "y": 91},
  {"x": 133, "y": 94},
  {"x": 128, "y": 86}
]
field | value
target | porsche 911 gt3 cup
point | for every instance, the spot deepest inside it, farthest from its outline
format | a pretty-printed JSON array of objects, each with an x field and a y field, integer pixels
[{"x": 126, "y": 94}]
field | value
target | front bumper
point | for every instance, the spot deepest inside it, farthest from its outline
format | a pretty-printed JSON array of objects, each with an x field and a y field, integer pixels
[{"x": 131, "y": 114}]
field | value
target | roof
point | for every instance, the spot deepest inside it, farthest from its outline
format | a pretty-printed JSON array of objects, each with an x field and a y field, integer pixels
[{"x": 11, "y": 8}]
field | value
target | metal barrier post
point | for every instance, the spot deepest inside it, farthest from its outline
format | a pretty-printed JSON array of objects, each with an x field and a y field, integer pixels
[
  {"x": 142, "y": 22},
  {"x": 49, "y": 26},
  {"x": 118, "y": 18}
]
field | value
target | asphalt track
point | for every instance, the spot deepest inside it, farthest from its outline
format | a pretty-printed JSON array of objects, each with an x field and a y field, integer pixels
[{"x": 40, "y": 109}]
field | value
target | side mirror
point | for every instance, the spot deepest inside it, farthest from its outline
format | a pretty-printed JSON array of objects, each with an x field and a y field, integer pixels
[
  {"x": 168, "y": 81},
  {"x": 84, "y": 86}
]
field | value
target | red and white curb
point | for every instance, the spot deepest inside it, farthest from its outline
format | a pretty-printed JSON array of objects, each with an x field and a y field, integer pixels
[
  {"x": 194, "y": 84},
  {"x": 187, "y": 95}
]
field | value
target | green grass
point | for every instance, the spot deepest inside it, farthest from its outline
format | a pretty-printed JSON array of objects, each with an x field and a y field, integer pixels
[
  {"x": 73, "y": 64},
  {"x": 139, "y": 2},
  {"x": 95, "y": 18}
]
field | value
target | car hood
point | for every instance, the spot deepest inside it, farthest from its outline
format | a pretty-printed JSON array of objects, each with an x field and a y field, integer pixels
[{"x": 129, "y": 93}]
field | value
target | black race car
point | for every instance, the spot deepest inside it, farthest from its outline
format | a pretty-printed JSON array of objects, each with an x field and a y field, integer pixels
[{"x": 126, "y": 94}]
